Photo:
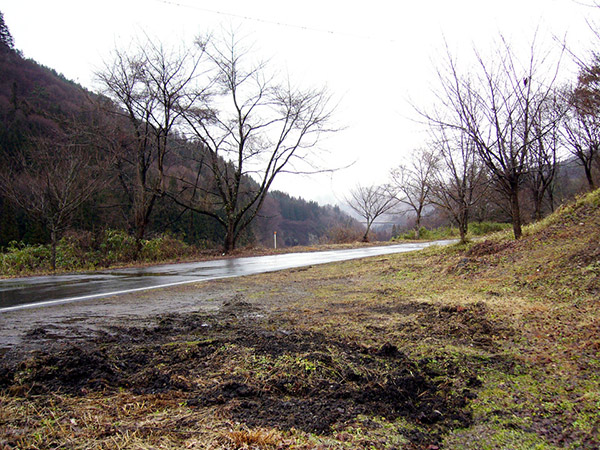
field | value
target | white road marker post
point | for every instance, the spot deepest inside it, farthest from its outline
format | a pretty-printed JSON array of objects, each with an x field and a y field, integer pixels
[{"x": 275, "y": 239}]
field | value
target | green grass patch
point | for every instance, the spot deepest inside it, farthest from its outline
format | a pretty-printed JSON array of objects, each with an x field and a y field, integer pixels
[{"x": 476, "y": 229}]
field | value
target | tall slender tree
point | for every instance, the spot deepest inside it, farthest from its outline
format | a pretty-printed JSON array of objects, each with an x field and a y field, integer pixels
[
  {"x": 581, "y": 127},
  {"x": 412, "y": 183},
  {"x": 459, "y": 181},
  {"x": 542, "y": 160},
  {"x": 152, "y": 87}
]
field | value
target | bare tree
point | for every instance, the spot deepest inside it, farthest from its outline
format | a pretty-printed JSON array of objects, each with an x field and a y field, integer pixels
[
  {"x": 52, "y": 179},
  {"x": 542, "y": 159},
  {"x": 370, "y": 203},
  {"x": 412, "y": 184},
  {"x": 152, "y": 87},
  {"x": 261, "y": 129},
  {"x": 460, "y": 181},
  {"x": 497, "y": 106},
  {"x": 581, "y": 127}
]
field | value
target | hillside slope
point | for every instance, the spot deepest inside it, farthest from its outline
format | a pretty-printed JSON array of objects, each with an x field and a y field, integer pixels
[
  {"x": 545, "y": 290},
  {"x": 558, "y": 257}
]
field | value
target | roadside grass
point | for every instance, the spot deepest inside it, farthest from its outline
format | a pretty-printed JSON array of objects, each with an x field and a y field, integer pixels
[{"x": 493, "y": 345}]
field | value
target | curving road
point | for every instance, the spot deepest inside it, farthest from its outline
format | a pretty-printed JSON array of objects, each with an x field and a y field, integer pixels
[{"x": 21, "y": 293}]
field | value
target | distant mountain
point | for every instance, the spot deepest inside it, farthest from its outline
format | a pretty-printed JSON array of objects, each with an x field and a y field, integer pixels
[{"x": 301, "y": 222}]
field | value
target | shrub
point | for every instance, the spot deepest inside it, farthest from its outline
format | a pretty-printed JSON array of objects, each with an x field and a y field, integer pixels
[
  {"x": 75, "y": 250},
  {"x": 20, "y": 258},
  {"x": 343, "y": 235},
  {"x": 163, "y": 248},
  {"x": 481, "y": 228},
  {"x": 116, "y": 246}
]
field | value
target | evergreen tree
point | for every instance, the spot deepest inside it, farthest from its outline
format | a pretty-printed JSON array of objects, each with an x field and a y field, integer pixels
[{"x": 6, "y": 39}]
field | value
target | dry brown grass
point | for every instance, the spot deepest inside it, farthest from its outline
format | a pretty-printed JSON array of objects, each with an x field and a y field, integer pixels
[{"x": 252, "y": 439}]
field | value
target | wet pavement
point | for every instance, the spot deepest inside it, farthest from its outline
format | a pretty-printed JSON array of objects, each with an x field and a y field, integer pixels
[{"x": 20, "y": 293}]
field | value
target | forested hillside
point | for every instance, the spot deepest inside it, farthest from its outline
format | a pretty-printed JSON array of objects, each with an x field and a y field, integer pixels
[{"x": 73, "y": 165}]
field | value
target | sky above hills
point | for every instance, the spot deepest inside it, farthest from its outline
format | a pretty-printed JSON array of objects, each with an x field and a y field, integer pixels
[{"x": 378, "y": 58}]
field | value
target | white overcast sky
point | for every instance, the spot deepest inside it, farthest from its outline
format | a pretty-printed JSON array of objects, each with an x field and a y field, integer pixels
[{"x": 375, "y": 56}]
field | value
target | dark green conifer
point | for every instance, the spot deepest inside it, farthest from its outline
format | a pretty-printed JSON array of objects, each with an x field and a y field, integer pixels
[{"x": 6, "y": 40}]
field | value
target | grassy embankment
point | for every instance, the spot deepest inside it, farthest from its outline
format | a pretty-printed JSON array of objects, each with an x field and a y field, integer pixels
[{"x": 491, "y": 346}]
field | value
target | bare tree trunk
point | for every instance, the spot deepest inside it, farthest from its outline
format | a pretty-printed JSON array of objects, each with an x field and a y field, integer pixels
[
  {"x": 463, "y": 234},
  {"x": 537, "y": 205},
  {"x": 140, "y": 231},
  {"x": 463, "y": 225},
  {"x": 515, "y": 211},
  {"x": 366, "y": 235},
  {"x": 142, "y": 218},
  {"x": 230, "y": 239},
  {"x": 589, "y": 177},
  {"x": 418, "y": 226}
]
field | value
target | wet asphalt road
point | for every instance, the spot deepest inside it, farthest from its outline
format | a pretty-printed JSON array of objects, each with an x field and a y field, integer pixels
[{"x": 20, "y": 293}]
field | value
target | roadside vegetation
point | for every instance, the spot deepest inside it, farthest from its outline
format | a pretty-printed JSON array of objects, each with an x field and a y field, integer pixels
[
  {"x": 116, "y": 249},
  {"x": 488, "y": 345},
  {"x": 83, "y": 251},
  {"x": 475, "y": 229}
]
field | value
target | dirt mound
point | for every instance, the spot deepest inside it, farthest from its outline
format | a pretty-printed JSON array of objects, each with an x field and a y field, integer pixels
[
  {"x": 462, "y": 325},
  {"x": 407, "y": 390},
  {"x": 73, "y": 370},
  {"x": 488, "y": 248}
]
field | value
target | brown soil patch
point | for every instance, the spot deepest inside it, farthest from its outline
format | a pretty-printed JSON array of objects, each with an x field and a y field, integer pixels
[{"x": 258, "y": 370}]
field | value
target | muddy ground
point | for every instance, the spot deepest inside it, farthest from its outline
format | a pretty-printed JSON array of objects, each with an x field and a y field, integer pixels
[{"x": 79, "y": 320}]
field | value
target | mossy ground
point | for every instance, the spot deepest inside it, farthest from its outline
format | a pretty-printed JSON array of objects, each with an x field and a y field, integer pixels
[{"x": 489, "y": 346}]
